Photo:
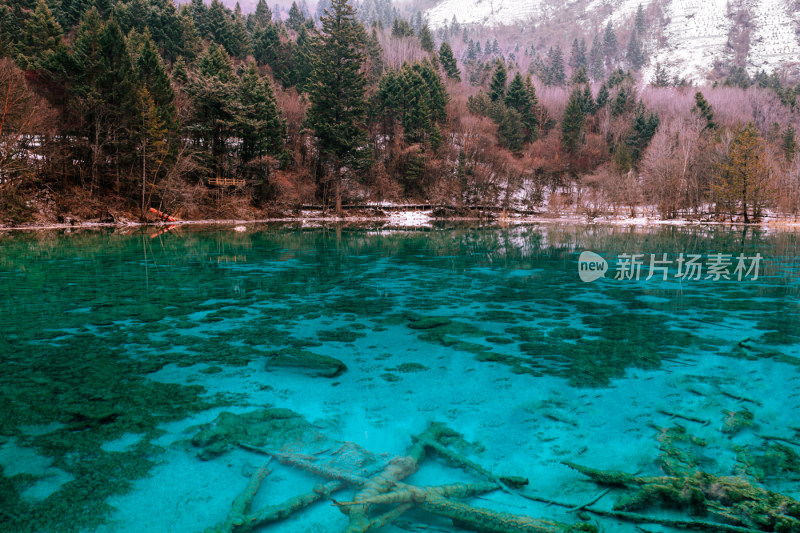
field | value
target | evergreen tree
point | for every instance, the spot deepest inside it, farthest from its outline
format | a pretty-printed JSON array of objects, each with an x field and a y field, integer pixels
[
  {"x": 149, "y": 133},
  {"x": 741, "y": 182},
  {"x": 640, "y": 25},
  {"x": 337, "y": 95},
  {"x": 510, "y": 129},
  {"x": 257, "y": 121},
  {"x": 610, "y": 45},
  {"x": 555, "y": 74},
  {"x": 621, "y": 102},
  {"x": 41, "y": 34},
  {"x": 577, "y": 56},
  {"x": 579, "y": 77},
  {"x": 302, "y": 60},
  {"x": 705, "y": 110},
  {"x": 261, "y": 18},
  {"x": 219, "y": 26},
  {"x": 426, "y": 39},
  {"x": 152, "y": 74},
  {"x": 497, "y": 89},
  {"x": 596, "y": 67},
  {"x": 240, "y": 38},
  {"x": 587, "y": 102},
  {"x": 644, "y": 127},
  {"x": 448, "y": 61},
  {"x": 660, "y": 77},
  {"x": 635, "y": 55},
  {"x": 602, "y": 96},
  {"x": 296, "y": 19},
  {"x": 572, "y": 123},
  {"x": 789, "y": 142},
  {"x": 521, "y": 97},
  {"x": 401, "y": 28}
]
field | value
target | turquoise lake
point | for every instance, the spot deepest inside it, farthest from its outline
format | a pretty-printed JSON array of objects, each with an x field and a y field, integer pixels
[{"x": 146, "y": 377}]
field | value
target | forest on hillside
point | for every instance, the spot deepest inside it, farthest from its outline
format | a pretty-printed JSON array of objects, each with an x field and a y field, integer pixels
[{"x": 200, "y": 110}]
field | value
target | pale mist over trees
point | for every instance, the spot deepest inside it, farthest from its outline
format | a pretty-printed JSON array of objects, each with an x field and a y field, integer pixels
[{"x": 230, "y": 109}]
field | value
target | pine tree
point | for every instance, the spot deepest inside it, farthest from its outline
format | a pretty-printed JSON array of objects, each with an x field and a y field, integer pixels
[
  {"x": 741, "y": 182},
  {"x": 577, "y": 56},
  {"x": 644, "y": 127},
  {"x": 602, "y": 96},
  {"x": 640, "y": 24},
  {"x": 510, "y": 129},
  {"x": 426, "y": 39},
  {"x": 587, "y": 102},
  {"x": 219, "y": 26},
  {"x": 261, "y": 18},
  {"x": 40, "y": 35},
  {"x": 401, "y": 28},
  {"x": 634, "y": 54},
  {"x": 610, "y": 45},
  {"x": 337, "y": 95},
  {"x": 572, "y": 123},
  {"x": 555, "y": 74},
  {"x": 301, "y": 62},
  {"x": 521, "y": 97},
  {"x": 579, "y": 77},
  {"x": 296, "y": 19},
  {"x": 448, "y": 61},
  {"x": 597, "y": 69},
  {"x": 153, "y": 75},
  {"x": 705, "y": 110},
  {"x": 789, "y": 142},
  {"x": 497, "y": 89},
  {"x": 149, "y": 132},
  {"x": 258, "y": 122},
  {"x": 660, "y": 77}
]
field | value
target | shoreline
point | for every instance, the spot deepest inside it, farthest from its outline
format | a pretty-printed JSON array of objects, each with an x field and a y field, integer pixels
[{"x": 416, "y": 219}]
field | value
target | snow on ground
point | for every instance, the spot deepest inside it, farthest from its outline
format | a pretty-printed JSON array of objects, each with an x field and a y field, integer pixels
[
  {"x": 486, "y": 12},
  {"x": 774, "y": 41},
  {"x": 697, "y": 33}
]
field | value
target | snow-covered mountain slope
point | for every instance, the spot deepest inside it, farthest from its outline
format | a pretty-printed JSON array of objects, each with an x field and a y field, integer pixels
[{"x": 695, "y": 33}]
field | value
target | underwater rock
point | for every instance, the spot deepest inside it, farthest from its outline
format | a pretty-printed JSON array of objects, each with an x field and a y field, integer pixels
[
  {"x": 429, "y": 322},
  {"x": 406, "y": 368},
  {"x": 315, "y": 364},
  {"x": 273, "y": 428},
  {"x": 735, "y": 421}
]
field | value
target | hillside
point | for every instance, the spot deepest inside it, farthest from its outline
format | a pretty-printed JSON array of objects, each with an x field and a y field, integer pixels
[{"x": 686, "y": 36}]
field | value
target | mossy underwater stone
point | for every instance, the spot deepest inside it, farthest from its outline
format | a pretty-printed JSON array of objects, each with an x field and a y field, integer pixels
[
  {"x": 429, "y": 322},
  {"x": 264, "y": 428},
  {"x": 315, "y": 364}
]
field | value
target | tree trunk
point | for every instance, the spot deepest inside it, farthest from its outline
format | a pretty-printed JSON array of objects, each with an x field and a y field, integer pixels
[
  {"x": 144, "y": 172},
  {"x": 338, "y": 194}
]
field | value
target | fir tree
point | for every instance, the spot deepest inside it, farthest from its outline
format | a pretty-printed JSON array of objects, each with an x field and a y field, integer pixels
[
  {"x": 640, "y": 25},
  {"x": 497, "y": 89},
  {"x": 644, "y": 127},
  {"x": 705, "y": 110},
  {"x": 401, "y": 28},
  {"x": 152, "y": 74},
  {"x": 521, "y": 97},
  {"x": 634, "y": 54},
  {"x": 258, "y": 122},
  {"x": 302, "y": 56},
  {"x": 789, "y": 142},
  {"x": 337, "y": 95},
  {"x": 596, "y": 67},
  {"x": 572, "y": 123},
  {"x": 296, "y": 19},
  {"x": 40, "y": 35},
  {"x": 426, "y": 39},
  {"x": 610, "y": 45},
  {"x": 555, "y": 74},
  {"x": 602, "y": 96},
  {"x": 448, "y": 61},
  {"x": 261, "y": 18},
  {"x": 510, "y": 129},
  {"x": 577, "y": 56},
  {"x": 660, "y": 77},
  {"x": 579, "y": 77},
  {"x": 741, "y": 182}
]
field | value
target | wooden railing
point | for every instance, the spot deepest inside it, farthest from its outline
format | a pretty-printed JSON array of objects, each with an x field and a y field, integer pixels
[{"x": 226, "y": 182}]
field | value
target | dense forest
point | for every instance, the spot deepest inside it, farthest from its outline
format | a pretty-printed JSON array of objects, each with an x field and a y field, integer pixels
[{"x": 200, "y": 110}]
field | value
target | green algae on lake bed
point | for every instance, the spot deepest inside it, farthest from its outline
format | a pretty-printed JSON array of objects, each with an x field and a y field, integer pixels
[{"x": 114, "y": 346}]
